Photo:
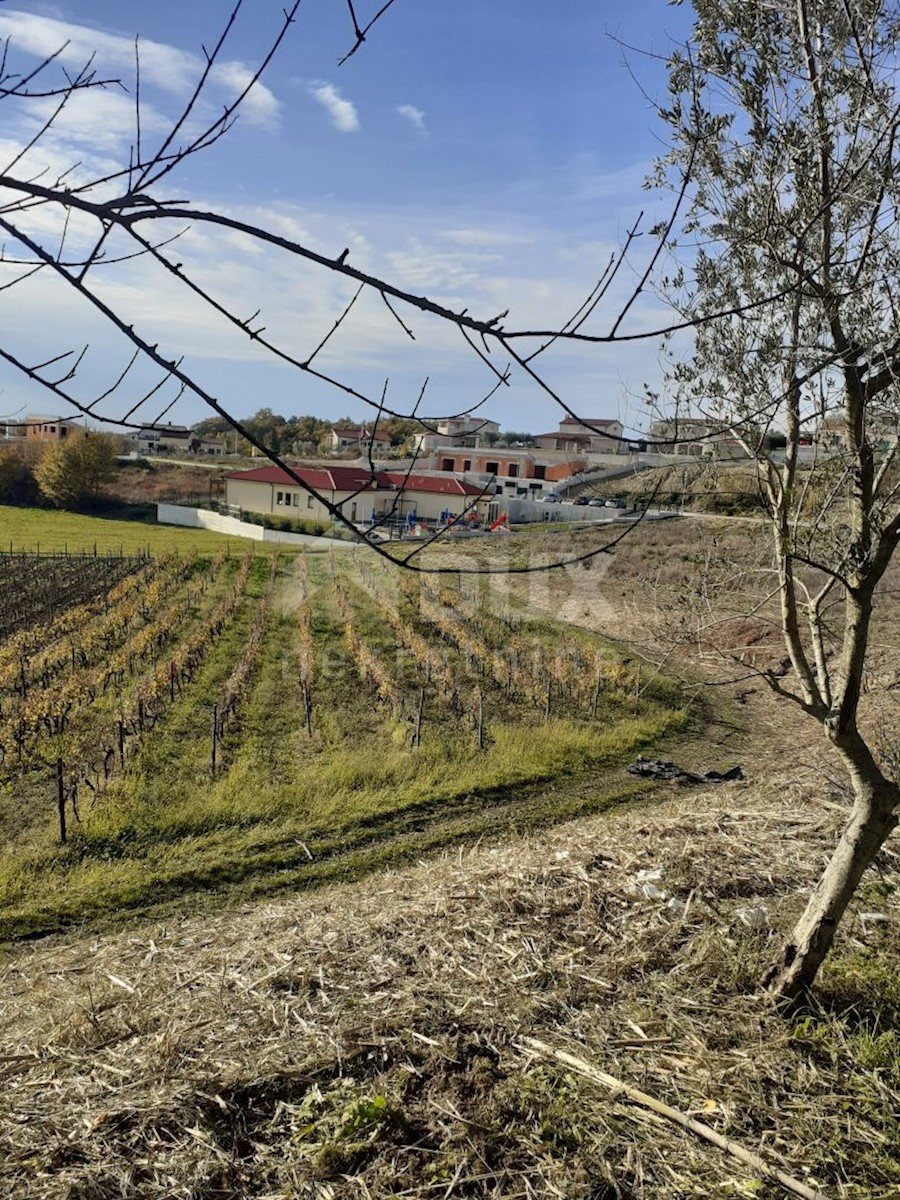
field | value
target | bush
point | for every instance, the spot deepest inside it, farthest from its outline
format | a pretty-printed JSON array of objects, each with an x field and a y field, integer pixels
[
  {"x": 17, "y": 482},
  {"x": 295, "y": 525},
  {"x": 72, "y": 473}
]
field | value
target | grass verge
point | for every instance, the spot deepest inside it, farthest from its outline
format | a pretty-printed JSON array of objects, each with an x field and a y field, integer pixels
[{"x": 47, "y": 529}]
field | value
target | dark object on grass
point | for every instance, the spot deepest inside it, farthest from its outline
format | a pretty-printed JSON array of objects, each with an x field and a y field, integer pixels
[{"x": 658, "y": 768}]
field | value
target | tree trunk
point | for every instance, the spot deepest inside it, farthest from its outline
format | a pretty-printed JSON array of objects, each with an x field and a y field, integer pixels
[{"x": 872, "y": 820}]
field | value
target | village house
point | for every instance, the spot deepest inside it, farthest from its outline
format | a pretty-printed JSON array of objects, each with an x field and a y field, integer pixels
[
  {"x": 882, "y": 428},
  {"x": 468, "y": 432},
  {"x": 176, "y": 439},
  {"x": 361, "y": 495},
  {"x": 358, "y": 439},
  {"x": 49, "y": 429},
  {"x": 696, "y": 437},
  {"x": 585, "y": 435}
]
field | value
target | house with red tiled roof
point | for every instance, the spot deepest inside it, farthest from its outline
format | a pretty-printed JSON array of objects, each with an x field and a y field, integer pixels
[{"x": 361, "y": 495}]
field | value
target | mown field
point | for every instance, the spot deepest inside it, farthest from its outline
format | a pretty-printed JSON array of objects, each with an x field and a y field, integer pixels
[
  {"x": 47, "y": 529},
  {"x": 234, "y": 721}
]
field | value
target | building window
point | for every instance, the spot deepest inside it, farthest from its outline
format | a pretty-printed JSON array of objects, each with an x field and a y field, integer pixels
[
  {"x": 279, "y": 499},
  {"x": 447, "y": 464},
  {"x": 309, "y": 501},
  {"x": 492, "y": 468},
  {"x": 513, "y": 470},
  {"x": 467, "y": 464},
  {"x": 540, "y": 471}
]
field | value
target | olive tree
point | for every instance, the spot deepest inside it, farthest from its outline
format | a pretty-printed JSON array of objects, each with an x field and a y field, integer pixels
[{"x": 788, "y": 114}]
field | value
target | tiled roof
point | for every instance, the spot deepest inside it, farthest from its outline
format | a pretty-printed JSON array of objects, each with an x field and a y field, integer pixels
[
  {"x": 600, "y": 422},
  {"x": 329, "y": 479},
  {"x": 353, "y": 431},
  {"x": 444, "y": 484},
  {"x": 351, "y": 479}
]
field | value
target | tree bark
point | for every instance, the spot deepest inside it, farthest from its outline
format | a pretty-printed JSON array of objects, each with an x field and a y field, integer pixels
[{"x": 873, "y": 819}]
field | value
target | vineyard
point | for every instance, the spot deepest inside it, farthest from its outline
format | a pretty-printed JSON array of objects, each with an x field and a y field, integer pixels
[
  {"x": 186, "y": 723},
  {"x": 34, "y": 587}
]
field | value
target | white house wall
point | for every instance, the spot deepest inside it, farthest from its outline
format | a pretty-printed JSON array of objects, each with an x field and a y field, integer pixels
[{"x": 255, "y": 496}]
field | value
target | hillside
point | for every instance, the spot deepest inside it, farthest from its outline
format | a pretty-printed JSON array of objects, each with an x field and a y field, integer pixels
[
  {"x": 368, "y": 1039},
  {"x": 714, "y": 487}
]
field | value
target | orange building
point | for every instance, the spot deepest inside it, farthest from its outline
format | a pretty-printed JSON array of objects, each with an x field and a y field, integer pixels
[
  {"x": 507, "y": 465},
  {"x": 49, "y": 429}
]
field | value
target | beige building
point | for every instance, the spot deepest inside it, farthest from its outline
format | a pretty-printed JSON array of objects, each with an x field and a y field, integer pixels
[
  {"x": 694, "y": 437},
  {"x": 358, "y": 439},
  {"x": 585, "y": 435},
  {"x": 468, "y": 432},
  {"x": 48, "y": 429},
  {"x": 361, "y": 496}
]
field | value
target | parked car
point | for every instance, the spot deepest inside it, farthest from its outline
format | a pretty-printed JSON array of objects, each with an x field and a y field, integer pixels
[
  {"x": 551, "y": 498},
  {"x": 596, "y": 502},
  {"x": 582, "y": 500},
  {"x": 615, "y": 502}
]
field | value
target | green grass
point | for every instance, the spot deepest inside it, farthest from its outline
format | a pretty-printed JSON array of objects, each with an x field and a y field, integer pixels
[
  {"x": 48, "y": 529},
  {"x": 287, "y": 810}
]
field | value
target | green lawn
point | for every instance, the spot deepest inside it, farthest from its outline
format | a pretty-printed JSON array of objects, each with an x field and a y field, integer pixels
[{"x": 46, "y": 529}]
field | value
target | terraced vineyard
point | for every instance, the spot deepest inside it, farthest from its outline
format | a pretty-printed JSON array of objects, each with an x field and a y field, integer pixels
[{"x": 260, "y": 722}]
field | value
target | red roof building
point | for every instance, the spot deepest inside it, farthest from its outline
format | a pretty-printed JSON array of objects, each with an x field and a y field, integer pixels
[{"x": 361, "y": 495}]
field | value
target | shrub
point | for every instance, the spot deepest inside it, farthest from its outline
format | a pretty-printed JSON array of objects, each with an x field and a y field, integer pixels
[
  {"x": 17, "y": 481},
  {"x": 73, "y": 472}
]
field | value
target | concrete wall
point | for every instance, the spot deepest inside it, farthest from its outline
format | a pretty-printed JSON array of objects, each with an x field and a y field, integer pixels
[
  {"x": 200, "y": 518},
  {"x": 522, "y": 511}
]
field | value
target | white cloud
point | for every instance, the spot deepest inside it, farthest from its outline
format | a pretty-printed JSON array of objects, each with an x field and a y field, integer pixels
[
  {"x": 341, "y": 111},
  {"x": 163, "y": 66},
  {"x": 94, "y": 122},
  {"x": 435, "y": 269},
  {"x": 259, "y": 105},
  {"x": 415, "y": 116},
  {"x": 485, "y": 237}
]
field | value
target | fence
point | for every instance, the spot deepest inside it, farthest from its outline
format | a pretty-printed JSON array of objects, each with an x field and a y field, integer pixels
[{"x": 201, "y": 518}]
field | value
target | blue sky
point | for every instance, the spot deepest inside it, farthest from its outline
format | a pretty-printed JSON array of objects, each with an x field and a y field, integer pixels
[{"x": 490, "y": 155}]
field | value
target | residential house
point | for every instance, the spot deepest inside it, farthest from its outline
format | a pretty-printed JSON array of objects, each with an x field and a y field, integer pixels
[
  {"x": 49, "y": 429},
  {"x": 13, "y": 431},
  {"x": 468, "y": 432},
  {"x": 176, "y": 439},
  {"x": 164, "y": 439},
  {"x": 358, "y": 438},
  {"x": 361, "y": 495},
  {"x": 698, "y": 437},
  {"x": 585, "y": 435},
  {"x": 882, "y": 429}
]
